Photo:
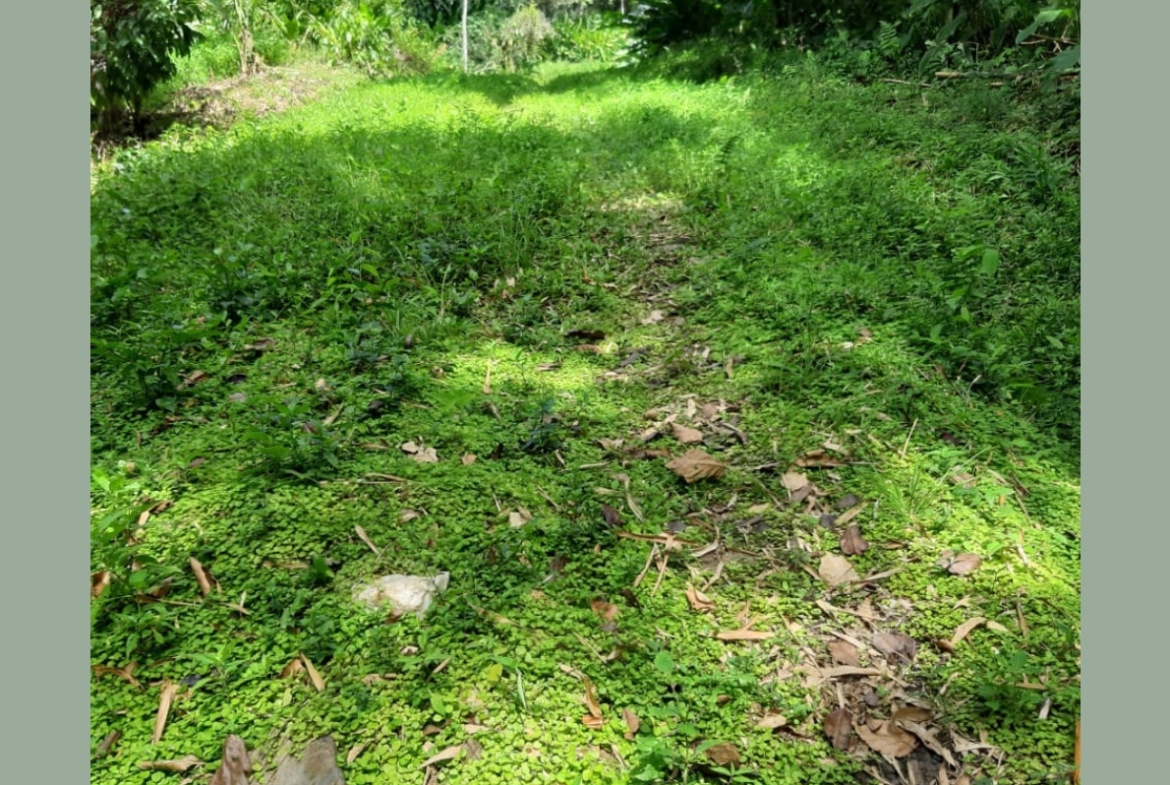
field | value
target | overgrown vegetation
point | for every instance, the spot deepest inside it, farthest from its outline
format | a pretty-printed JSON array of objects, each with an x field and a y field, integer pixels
[{"x": 474, "y": 324}]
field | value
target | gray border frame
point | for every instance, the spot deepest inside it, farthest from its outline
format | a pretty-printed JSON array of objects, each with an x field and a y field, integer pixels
[
  {"x": 1123, "y": 217},
  {"x": 45, "y": 397},
  {"x": 44, "y": 305}
]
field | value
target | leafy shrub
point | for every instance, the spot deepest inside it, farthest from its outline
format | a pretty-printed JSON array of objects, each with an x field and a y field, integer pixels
[
  {"x": 522, "y": 37},
  {"x": 378, "y": 38},
  {"x": 590, "y": 39},
  {"x": 132, "y": 48},
  {"x": 497, "y": 41}
]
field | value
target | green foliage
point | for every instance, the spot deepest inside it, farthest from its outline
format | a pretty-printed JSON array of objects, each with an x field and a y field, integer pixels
[
  {"x": 376, "y": 37},
  {"x": 403, "y": 243},
  {"x": 499, "y": 41},
  {"x": 132, "y": 48},
  {"x": 593, "y": 38},
  {"x": 943, "y": 35},
  {"x": 522, "y": 38}
]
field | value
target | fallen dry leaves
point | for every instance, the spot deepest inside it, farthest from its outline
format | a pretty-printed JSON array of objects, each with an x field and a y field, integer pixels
[
  {"x": 175, "y": 766},
  {"x": 420, "y": 454},
  {"x": 632, "y": 723},
  {"x": 695, "y": 465},
  {"x": 961, "y": 632},
  {"x": 963, "y": 564},
  {"x": 836, "y": 570},
  {"x": 772, "y": 720},
  {"x": 852, "y": 543},
  {"x": 593, "y": 719},
  {"x": 166, "y": 698},
  {"x": 895, "y": 646},
  {"x": 98, "y": 583},
  {"x": 202, "y": 576},
  {"x": 699, "y": 602},
  {"x": 606, "y": 611},
  {"x": 844, "y": 653},
  {"x": 744, "y": 635},
  {"x": 451, "y": 753},
  {"x": 126, "y": 673},
  {"x": 723, "y": 754},
  {"x": 838, "y": 726},
  {"x": 361, "y": 533},
  {"x": 314, "y": 676},
  {"x": 686, "y": 435},
  {"x": 886, "y": 738}
]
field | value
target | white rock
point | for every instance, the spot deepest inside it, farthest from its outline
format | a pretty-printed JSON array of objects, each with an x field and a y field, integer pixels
[{"x": 401, "y": 594}]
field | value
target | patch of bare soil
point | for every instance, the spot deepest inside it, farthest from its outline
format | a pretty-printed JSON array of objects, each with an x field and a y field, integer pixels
[{"x": 218, "y": 104}]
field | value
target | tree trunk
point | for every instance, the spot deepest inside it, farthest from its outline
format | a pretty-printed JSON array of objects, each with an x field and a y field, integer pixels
[{"x": 463, "y": 27}]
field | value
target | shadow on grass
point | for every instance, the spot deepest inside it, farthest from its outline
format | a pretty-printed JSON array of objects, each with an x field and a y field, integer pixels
[{"x": 416, "y": 250}]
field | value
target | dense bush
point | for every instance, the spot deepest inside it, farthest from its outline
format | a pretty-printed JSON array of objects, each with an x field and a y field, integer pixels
[{"x": 132, "y": 49}]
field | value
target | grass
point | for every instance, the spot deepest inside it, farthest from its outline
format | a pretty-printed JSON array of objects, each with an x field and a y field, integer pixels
[{"x": 522, "y": 269}]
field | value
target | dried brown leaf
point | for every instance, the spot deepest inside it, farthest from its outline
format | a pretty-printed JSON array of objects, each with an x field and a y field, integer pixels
[
  {"x": 98, "y": 583},
  {"x": 592, "y": 722},
  {"x": 964, "y": 629},
  {"x": 848, "y": 670},
  {"x": 632, "y": 723},
  {"x": 314, "y": 676},
  {"x": 468, "y": 459},
  {"x": 723, "y": 754},
  {"x": 772, "y": 720},
  {"x": 126, "y": 673},
  {"x": 917, "y": 714},
  {"x": 844, "y": 653},
  {"x": 699, "y": 601},
  {"x": 888, "y": 739},
  {"x": 354, "y": 752},
  {"x": 519, "y": 517},
  {"x": 818, "y": 458},
  {"x": 695, "y": 465},
  {"x": 103, "y": 749},
  {"x": 451, "y": 753},
  {"x": 176, "y": 766},
  {"x": 361, "y": 533},
  {"x": 895, "y": 645},
  {"x": 292, "y": 669},
  {"x": 201, "y": 576},
  {"x": 611, "y": 515},
  {"x": 591, "y": 698},
  {"x": 793, "y": 481},
  {"x": 686, "y": 435},
  {"x": 964, "y": 564},
  {"x": 166, "y": 698},
  {"x": 852, "y": 543},
  {"x": 928, "y": 739},
  {"x": 838, "y": 726},
  {"x": 654, "y": 318},
  {"x": 604, "y": 610},
  {"x": 849, "y": 500},
  {"x": 744, "y": 635},
  {"x": 850, "y": 514},
  {"x": 836, "y": 570}
]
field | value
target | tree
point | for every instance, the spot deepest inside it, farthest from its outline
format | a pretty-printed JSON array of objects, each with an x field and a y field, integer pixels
[
  {"x": 463, "y": 30},
  {"x": 132, "y": 44}
]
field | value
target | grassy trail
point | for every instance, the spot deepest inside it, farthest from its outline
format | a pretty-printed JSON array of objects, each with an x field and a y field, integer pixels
[{"x": 559, "y": 286}]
